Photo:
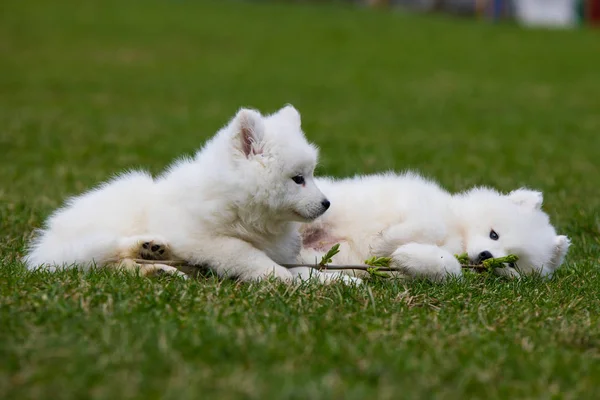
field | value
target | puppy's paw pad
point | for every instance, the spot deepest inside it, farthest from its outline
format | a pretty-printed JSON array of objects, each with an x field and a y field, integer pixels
[{"x": 153, "y": 250}]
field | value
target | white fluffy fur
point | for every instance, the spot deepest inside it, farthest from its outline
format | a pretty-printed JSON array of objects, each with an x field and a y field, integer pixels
[
  {"x": 233, "y": 207},
  {"x": 421, "y": 226}
]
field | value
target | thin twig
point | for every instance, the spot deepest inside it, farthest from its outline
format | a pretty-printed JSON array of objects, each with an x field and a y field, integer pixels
[
  {"x": 339, "y": 267},
  {"x": 172, "y": 263},
  {"x": 360, "y": 267}
]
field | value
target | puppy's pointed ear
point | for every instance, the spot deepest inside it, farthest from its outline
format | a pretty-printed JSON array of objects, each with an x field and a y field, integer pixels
[
  {"x": 531, "y": 199},
  {"x": 249, "y": 132},
  {"x": 561, "y": 246},
  {"x": 290, "y": 113}
]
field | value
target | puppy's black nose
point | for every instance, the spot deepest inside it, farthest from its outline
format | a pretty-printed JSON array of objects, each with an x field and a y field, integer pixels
[
  {"x": 325, "y": 203},
  {"x": 484, "y": 255}
]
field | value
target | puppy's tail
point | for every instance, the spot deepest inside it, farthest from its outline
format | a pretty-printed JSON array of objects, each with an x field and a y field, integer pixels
[{"x": 52, "y": 252}]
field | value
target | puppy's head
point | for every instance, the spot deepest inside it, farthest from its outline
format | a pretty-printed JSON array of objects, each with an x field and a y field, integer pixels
[
  {"x": 277, "y": 163},
  {"x": 496, "y": 225}
]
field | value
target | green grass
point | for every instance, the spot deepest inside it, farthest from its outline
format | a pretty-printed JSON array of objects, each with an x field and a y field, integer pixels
[{"x": 90, "y": 88}]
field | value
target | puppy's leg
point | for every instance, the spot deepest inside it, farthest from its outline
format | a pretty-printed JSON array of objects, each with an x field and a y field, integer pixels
[
  {"x": 426, "y": 261},
  {"x": 154, "y": 269},
  {"x": 407, "y": 232},
  {"x": 231, "y": 257}
]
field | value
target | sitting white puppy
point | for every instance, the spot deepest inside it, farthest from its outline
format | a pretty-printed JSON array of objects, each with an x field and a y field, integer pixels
[
  {"x": 234, "y": 207},
  {"x": 422, "y": 226}
]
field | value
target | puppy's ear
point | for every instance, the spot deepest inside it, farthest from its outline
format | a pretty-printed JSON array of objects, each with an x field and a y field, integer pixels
[
  {"x": 291, "y": 114},
  {"x": 531, "y": 199},
  {"x": 249, "y": 132},
  {"x": 561, "y": 246}
]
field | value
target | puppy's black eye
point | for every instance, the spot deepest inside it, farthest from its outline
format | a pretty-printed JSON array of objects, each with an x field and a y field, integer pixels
[
  {"x": 299, "y": 179},
  {"x": 494, "y": 235}
]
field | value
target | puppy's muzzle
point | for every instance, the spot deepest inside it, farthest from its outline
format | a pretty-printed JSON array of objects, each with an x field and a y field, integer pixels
[
  {"x": 318, "y": 209},
  {"x": 484, "y": 255}
]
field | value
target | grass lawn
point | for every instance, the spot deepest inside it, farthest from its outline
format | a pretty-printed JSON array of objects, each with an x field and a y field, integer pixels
[{"x": 89, "y": 88}]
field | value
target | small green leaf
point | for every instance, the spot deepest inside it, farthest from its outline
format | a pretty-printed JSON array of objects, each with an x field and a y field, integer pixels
[
  {"x": 463, "y": 258},
  {"x": 375, "y": 273},
  {"x": 499, "y": 262},
  {"x": 328, "y": 257},
  {"x": 379, "y": 261}
]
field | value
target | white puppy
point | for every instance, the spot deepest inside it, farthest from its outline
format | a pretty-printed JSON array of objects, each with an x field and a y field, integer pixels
[
  {"x": 235, "y": 207},
  {"x": 422, "y": 226}
]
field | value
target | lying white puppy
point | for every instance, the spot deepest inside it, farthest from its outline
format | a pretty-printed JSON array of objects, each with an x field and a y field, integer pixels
[
  {"x": 236, "y": 207},
  {"x": 421, "y": 226}
]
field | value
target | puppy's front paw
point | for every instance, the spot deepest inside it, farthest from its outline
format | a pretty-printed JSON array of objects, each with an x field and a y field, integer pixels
[{"x": 426, "y": 261}]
